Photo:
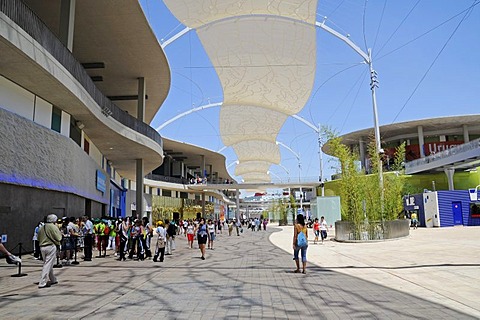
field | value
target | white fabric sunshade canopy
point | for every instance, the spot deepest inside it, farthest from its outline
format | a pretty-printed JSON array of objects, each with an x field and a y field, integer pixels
[{"x": 264, "y": 52}]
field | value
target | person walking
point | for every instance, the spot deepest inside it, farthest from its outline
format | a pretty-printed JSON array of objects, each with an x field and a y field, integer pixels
[
  {"x": 190, "y": 234},
  {"x": 300, "y": 243},
  {"x": 211, "y": 234},
  {"x": 230, "y": 228},
  {"x": 88, "y": 241},
  {"x": 137, "y": 243},
  {"x": 316, "y": 230},
  {"x": 124, "y": 232},
  {"x": 323, "y": 228},
  {"x": 147, "y": 237},
  {"x": 36, "y": 246},
  {"x": 202, "y": 236},
  {"x": 171, "y": 231},
  {"x": 49, "y": 237},
  {"x": 161, "y": 241}
]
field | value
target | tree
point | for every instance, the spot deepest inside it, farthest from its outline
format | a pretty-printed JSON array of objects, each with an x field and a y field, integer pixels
[{"x": 362, "y": 200}]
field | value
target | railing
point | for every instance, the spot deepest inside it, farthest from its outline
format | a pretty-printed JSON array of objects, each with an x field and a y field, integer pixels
[
  {"x": 24, "y": 17},
  {"x": 158, "y": 177},
  {"x": 474, "y": 144}
]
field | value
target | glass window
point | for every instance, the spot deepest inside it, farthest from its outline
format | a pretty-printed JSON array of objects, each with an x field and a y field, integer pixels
[{"x": 56, "y": 119}]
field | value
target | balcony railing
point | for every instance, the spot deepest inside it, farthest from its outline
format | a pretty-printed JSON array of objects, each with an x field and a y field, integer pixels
[
  {"x": 456, "y": 150},
  {"x": 24, "y": 17},
  {"x": 158, "y": 177}
]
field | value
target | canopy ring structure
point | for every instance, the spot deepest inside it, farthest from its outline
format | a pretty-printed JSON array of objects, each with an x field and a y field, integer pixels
[
  {"x": 264, "y": 54},
  {"x": 218, "y": 104}
]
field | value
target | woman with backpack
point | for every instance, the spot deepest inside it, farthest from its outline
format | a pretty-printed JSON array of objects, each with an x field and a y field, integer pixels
[{"x": 300, "y": 243}]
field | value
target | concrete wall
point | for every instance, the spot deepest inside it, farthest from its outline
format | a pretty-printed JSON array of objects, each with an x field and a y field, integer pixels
[
  {"x": 42, "y": 172},
  {"x": 34, "y": 156},
  {"x": 21, "y": 208}
]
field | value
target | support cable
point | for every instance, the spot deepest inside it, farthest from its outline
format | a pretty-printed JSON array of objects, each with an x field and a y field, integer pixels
[
  {"x": 427, "y": 32},
  {"x": 398, "y": 27},
  {"x": 433, "y": 62},
  {"x": 379, "y": 25}
]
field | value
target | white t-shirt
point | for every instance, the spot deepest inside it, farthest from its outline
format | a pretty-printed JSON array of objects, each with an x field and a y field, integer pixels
[
  {"x": 211, "y": 228},
  {"x": 161, "y": 232},
  {"x": 323, "y": 225},
  {"x": 190, "y": 229}
]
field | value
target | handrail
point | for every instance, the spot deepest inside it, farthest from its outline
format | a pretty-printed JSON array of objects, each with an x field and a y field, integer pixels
[
  {"x": 474, "y": 144},
  {"x": 25, "y": 18}
]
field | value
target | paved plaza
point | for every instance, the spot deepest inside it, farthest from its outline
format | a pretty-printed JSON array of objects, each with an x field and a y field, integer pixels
[{"x": 433, "y": 274}]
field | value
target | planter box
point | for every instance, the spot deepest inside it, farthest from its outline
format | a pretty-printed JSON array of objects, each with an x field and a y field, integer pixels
[{"x": 372, "y": 231}]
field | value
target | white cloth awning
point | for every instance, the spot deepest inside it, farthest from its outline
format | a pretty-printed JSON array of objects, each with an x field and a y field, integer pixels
[{"x": 264, "y": 53}]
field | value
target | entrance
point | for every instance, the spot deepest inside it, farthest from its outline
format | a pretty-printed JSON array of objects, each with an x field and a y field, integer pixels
[{"x": 457, "y": 213}]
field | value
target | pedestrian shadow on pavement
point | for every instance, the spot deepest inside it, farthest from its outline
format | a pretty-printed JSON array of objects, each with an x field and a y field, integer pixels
[{"x": 244, "y": 277}]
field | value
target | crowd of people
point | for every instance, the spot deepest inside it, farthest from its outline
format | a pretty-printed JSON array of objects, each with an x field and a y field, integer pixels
[
  {"x": 60, "y": 240},
  {"x": 126, "y": 238}
]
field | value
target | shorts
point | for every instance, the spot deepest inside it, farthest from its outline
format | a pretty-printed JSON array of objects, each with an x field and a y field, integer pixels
[
  {"x": 190, "y": 237},
  {"x": 324, "y": 234},
  {"x": 212, "y": 236},
  {"x": 202, "y": 239},
  {"x": 317, "y": 233},
  {"x": 303, "y": 251}
]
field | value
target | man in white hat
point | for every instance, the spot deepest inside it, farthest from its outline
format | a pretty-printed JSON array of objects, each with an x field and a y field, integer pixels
[{"x": 49, "y": 237}]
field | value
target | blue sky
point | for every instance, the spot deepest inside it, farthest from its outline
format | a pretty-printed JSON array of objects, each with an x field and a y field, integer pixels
[{"x": 341, "y": 96}]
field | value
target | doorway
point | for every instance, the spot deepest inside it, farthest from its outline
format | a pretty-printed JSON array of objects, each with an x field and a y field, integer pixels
[{"x": 457, "y": 213}]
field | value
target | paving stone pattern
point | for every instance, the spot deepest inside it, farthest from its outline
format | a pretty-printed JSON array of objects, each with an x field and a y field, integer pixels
[{"x": 244, "y": 277}]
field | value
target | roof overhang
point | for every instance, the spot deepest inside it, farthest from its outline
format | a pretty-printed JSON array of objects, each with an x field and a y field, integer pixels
[
  {"x": 33, "y": 68},
  {"x": 193, "y": 156},
  {"x": 117, "y": 34},
  {"x": 409, "y": 129}
]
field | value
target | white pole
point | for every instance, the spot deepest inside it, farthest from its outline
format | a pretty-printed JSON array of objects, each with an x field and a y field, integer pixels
[
  {"x": 320, "y": 156},
  {"x": 379, "y": 151}
]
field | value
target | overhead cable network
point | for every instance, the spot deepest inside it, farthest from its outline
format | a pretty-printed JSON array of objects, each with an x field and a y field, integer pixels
[{"x": 434, "y": 60}]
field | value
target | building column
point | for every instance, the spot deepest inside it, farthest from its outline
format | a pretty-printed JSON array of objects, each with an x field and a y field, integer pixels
[
  {"x": 202, "y": 165},
  {"x": 139, "y": 193},
  {"x": 421, "y": 142},
  {"x": 203, "y": 204},
  {"x": 142, "y": 91},
  {"x": 466, "y": 135},
  {"x": 450, "y": 172},
  {"x": 210, "y": 167},
  {"x": 237, "y": 201},
  {"x": 67, "y": 23},
  {"x": 361, "y": 147}
]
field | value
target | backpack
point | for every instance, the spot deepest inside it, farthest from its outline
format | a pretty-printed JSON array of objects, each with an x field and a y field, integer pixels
[
  {"x": 301, "y": 239},
  {"x": 171, "y": 230},
  {"x": 106, "y": 231}
]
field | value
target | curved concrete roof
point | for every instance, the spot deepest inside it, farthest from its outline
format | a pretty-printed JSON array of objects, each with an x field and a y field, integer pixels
[
  {"x": 408, "y": 129},
  {"x": 118, "y": 34},
  {"x": 193, "y": 156},
  {"x": 25, "y": 62}
]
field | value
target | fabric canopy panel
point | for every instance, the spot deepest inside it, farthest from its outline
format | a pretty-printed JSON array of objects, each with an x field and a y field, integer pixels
[
  {"x": 240, "y": 123},
  {"x": 264, "y": 53},
  {"x": 256, "y": 177},
  {"x": 257, "y": 150},
  {"x": 252, "y": 166},
  {"x": 267, "y": 62},
  {"x": 196, "y": 13}
]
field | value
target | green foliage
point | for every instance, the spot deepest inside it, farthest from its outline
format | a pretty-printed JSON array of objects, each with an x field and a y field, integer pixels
[{"x": 361, "y": 197}]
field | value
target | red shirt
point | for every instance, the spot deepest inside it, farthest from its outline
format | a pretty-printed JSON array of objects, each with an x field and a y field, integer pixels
[{"x": 316, "y": 226}]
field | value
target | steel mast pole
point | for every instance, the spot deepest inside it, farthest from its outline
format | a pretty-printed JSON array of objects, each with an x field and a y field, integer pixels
[
  {"x": 378, "y": 147},
  {"x": 320, "y": 157}
]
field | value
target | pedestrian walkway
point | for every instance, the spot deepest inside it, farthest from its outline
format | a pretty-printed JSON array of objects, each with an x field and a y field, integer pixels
[{"x": 244, "y": 277}]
